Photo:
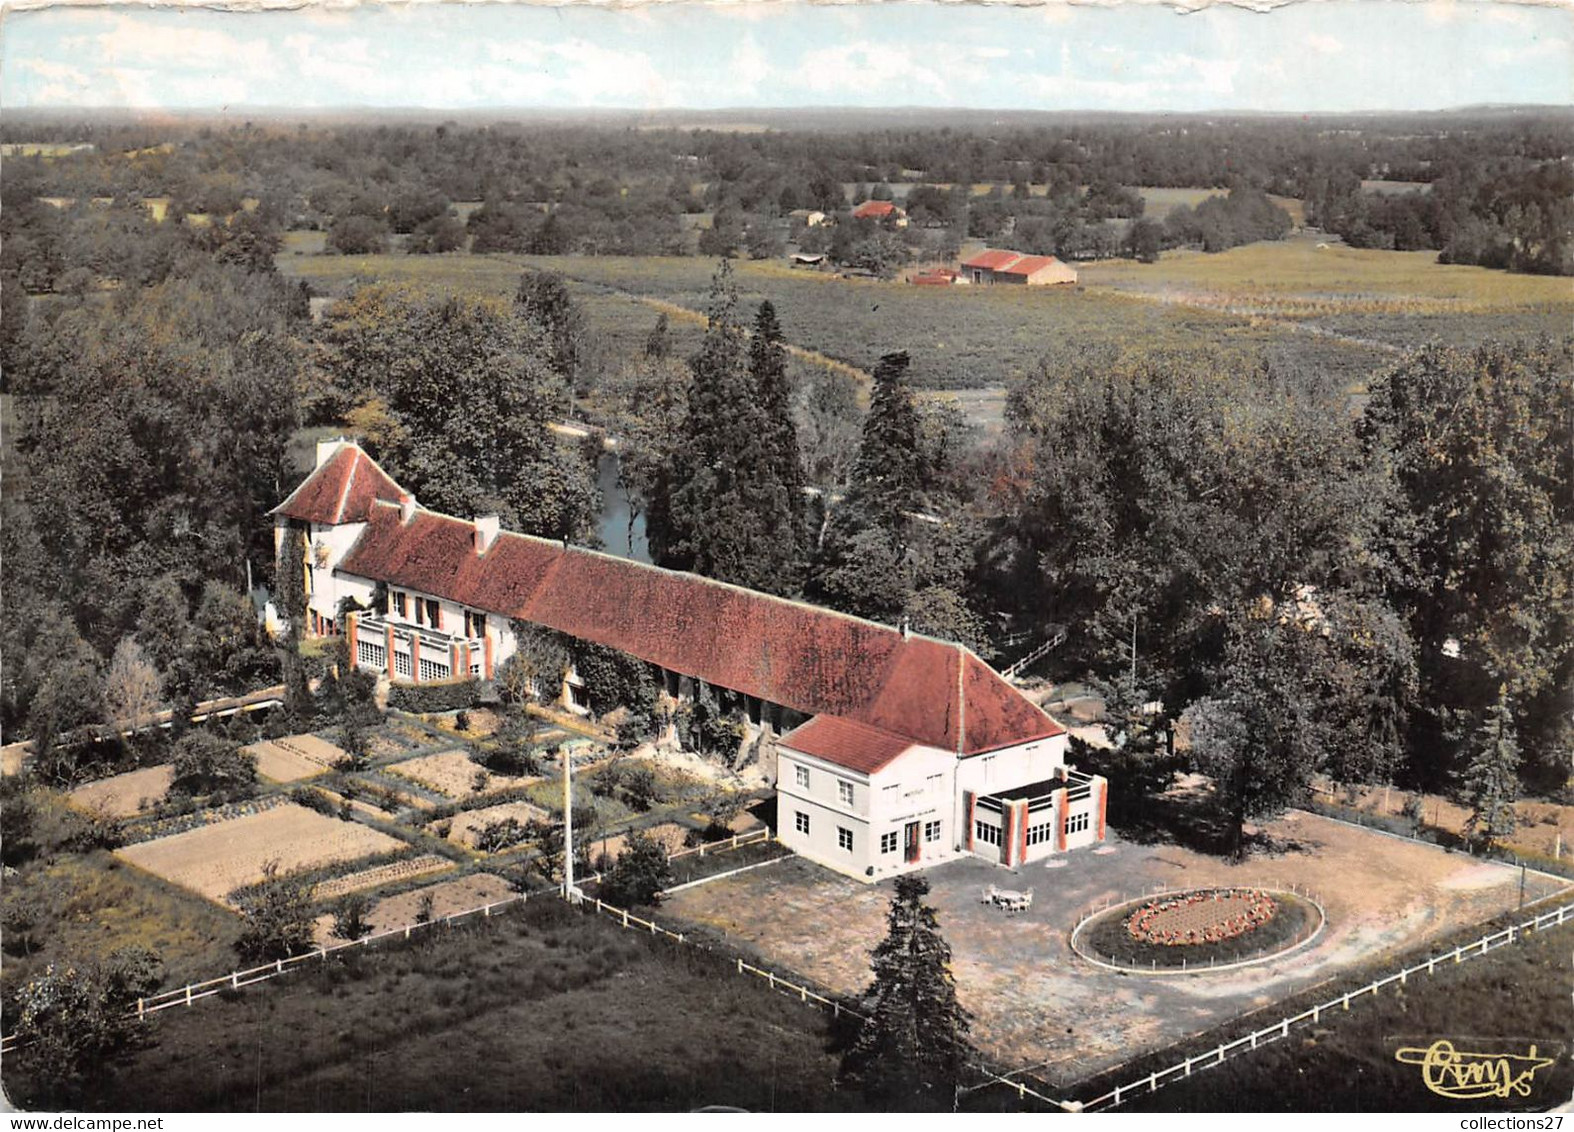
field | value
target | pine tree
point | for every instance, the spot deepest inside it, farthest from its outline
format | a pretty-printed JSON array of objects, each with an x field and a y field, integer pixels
[
  {"x": 888, "y": 474},
  {"x": 912, "y": 1050},
  {"x": 725, "y": 516},
  {"x": 1492, "y": 777},
  {"x": 782, "y": 479}
]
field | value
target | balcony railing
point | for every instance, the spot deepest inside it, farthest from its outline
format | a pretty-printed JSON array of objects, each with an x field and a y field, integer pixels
[{"x": 432, "y": 661}]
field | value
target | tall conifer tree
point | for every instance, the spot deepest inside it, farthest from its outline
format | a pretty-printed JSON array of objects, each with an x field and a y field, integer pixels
[
  {"x": 912, "y": 1050},
  {"x": 1492, "y": 778},
  {"x": 781, "y": 481}
]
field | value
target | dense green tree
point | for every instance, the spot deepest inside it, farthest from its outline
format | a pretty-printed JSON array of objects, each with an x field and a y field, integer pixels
[
  {"x": 543, "y": 297},
  {"x": 888, "y": 475},
  {"x": 781, "y": 487},
  {"x": 1478, "y": 440},
  {"x": 912, "y": 1050},
  {"x": 206, "y": 764},
  {"x": 461, "y": 391},
  {"x": 728, "y": 516},
  {"x": 74, "y": 1021}
]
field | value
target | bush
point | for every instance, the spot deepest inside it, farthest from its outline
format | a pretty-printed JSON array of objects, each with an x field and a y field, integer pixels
[
  {"x": 496, "y": 836},
  {"x": 205, "y": 765},
  {"x": 349, "y": 917},
  {"x": 422, "y": 699},
  {"x": 312, "y": 799},
  {"x": 277, "y": 919},
  {"x": 640, "y": 873}
]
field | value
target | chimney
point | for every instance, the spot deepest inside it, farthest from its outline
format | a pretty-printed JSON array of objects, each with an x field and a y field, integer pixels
[
  {"x": 906, "y": 628},
  {"x": 326, "y": 448},
  {"x": 486, "y": 527},
  {"x": 406, "y": 507}
]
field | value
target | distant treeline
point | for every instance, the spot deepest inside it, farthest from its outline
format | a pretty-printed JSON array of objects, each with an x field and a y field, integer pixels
[{"x": 1499, "y": 193}]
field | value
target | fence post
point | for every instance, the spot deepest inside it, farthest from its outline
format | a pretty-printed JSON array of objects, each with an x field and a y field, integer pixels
[
  {"x": 625, "y": 919},
  {"x": 740, "y": 966},
  {"x": 771, "y": 975},
  {"x": 1153, "y": 1082},
  {"x": 235, "y": 980},
  {"x": 141, "y": 1009},
  {"x": 1347, "y": 1002},
  {"x": 278, "y": 965},
  {"x": 188, "y": 994}
]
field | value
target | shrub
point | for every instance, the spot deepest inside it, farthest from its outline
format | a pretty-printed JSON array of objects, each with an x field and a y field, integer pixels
[
  {"x": 496, "y": 836},
  {"x": 205, "y": 764},
  {"x": 277, "y": 919},
  {"x": 349, "y": 917},
  {"x": 71, "y": 1022},
  {"x": 640, "y": 873},
  {"x": 312, "y": 799},
  {"x": 430, "y": 698},
  {"x": 462, "y": 722}
]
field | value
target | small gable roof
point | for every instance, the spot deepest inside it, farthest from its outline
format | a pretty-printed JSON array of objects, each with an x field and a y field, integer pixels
[
  {"x": 342, "y": 489},
  {"x": 874, "y": 209},
  {"x": 844, "y": 743}
]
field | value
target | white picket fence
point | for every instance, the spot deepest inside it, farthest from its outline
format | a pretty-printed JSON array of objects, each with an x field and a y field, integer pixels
[
  {"x": 1281, "y": 1029},
  {"x": 735, "y": 841},
  {"x": 195, "y": 992}
]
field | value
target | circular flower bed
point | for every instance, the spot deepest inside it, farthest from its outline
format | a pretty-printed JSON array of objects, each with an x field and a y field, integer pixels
[
  {"x": 1198, "y": 930},
  {"x": 1201, "y": 917}
]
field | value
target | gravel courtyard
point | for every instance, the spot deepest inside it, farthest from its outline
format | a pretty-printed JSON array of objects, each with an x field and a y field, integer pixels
[{"x": 1036, "y": 1004}]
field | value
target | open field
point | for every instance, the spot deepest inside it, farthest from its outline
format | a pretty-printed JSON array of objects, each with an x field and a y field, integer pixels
[
  {"x": 124, "y": 795},
  {"x": 1503, "y": 1002},
  {"x": 1036, "y": 1004},
  {"x": 294, "y": 758},
  {"x": 91, "y": 904},
  {"x": 454, "y": 775},
  {"x": 542, "y": 1009},
  {"x": 449, "y": 897},
  {"x": 1159, "y": 202},
  {"x": 215, "y": 860},
  {"x": 1544, "y": 829},
  {"x": 959, "y": 337}
]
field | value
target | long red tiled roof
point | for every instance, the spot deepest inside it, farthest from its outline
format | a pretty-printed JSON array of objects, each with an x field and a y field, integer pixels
[
  {"x": 810, "y": 659},
  {"x": 1028, "y": 264},
  {"x": 874, "y": 210},
  {"x": 845, "y": 743},
  {"x": 341, "y": 490},
  {"x": 992, "y": 259}
]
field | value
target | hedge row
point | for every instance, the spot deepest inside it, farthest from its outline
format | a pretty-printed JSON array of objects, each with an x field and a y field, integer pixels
[{"x": 452, "y": 695}]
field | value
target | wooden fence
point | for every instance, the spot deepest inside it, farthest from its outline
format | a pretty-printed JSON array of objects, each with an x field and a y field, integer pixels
[
  {"x": 1281, "y": 1029},
  {"x": 195, "y": 992}
]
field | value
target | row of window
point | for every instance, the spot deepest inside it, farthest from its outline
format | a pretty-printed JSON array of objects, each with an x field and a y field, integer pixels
[
  {"x": 844, "y": 836},
  {"x": 1036, "y": 834},
  {"x": 844, "y": 790},
  {"x": 429, "y": 612}
]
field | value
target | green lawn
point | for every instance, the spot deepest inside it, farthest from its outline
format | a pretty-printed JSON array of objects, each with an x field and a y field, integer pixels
[
  {"x": 542, "y": 1009},
  {"x": 1503, "y": 1001}
]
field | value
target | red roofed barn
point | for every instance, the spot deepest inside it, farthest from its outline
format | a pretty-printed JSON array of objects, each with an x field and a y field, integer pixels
[
  {"x": 995, "y": 266},
  {"x": 896, "y": 750}
]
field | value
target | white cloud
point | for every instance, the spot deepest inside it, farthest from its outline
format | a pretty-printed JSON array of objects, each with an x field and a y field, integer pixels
[
  {"x": 1323, "y": 44},
  {"x": 873, "y": 68}
]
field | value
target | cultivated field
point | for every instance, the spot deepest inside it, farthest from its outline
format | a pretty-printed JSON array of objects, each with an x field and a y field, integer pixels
[
  {"x": 958, "y": 337},
  {"x": 466, "y": 827},
  {"x": 1036, "y": 1004},
  {"x": 215, "y": 860},
  {"x": 124, "y": 795},
  {"x": 454, "y": 775},
  {"x": 294, "y": 758},
  {"x": 395, "y": 871}
]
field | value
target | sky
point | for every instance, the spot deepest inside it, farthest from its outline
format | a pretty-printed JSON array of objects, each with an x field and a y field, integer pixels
[{"x": 1335, "y": 55}]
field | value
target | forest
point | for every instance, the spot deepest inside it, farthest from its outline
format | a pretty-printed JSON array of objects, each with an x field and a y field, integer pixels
[{"x": 1378, "y": 595}]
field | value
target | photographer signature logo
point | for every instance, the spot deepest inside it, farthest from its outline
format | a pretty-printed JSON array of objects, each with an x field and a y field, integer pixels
[{"x": 1467, "y": 1075}]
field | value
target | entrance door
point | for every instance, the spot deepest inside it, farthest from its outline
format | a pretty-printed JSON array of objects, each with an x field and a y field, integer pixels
[{"x": 912, "y": 841}]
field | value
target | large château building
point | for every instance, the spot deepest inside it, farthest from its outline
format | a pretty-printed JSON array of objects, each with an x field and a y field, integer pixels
[{"x": 894, "y": 751}]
